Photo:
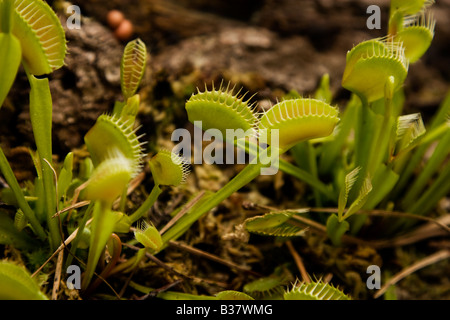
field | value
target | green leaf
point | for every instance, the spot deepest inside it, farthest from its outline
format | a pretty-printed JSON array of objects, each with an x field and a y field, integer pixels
[
  {"x": 409, "y": 129},
  {"x": 103, "y": 223},
  {"x": 222, "y": 109},
  {"x": 298, "y": 120},
  {"x": 417, "y": 37},
  {"x": 378, "y": 58},
  {"x": 361, "y": 199},
  {"x": 41, "y": 122},
  {"x": 130, "y": 109},
  {"x": 438, "y": 157},
  {"x": 147, "y": 235},
  {"x": 409, "y": 7},
  {"x": 10, "y": 53},
  {"x": 350, "y": 180},
  {"x": 383, "y": 182},
  {"x": 41, "y": 36},
  {"x": 65, "y": 176},
  {"x": 336, "y": 229},
  {"x": 270, "y": 286},
  {"x": 11, "y": 235},
  {"x": 273, "y": 224},
  {"x": 168, "y": 168},
  {"x": 317, "y": 290},
  {"x": 323, "y": 92},
  {"x": 111, "y": 134},
  {"x": 17, "y": 283},
  {"x": 233, "y": 295},
  {"x": 132, "y": 67},
  {"x": 332, "y": 150},
  {"x": 19, "y": 196}
]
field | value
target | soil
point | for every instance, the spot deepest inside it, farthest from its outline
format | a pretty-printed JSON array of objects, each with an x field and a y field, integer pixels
[{"x": 267, "y": 47}]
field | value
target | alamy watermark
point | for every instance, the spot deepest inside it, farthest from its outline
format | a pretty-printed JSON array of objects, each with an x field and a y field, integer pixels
[
  {"x": 374, "y": 21},
  {"x": 74, "y": 279},
  {"x": 374, "y": 280},
  {"x": 258, "y": 151},
  {"x": 74, "y": 20}
]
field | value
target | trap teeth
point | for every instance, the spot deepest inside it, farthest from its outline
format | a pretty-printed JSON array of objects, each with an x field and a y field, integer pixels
[
  {"x": 168, "y": 168},
  {"x": 297, "y": 120},
  {"x": 110, "y": 133},
  {"x": 41, "y": 35},
  {"x": 221, "y": 109}
]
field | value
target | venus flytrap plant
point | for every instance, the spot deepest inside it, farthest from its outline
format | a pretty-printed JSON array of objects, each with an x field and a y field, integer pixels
[
  {"x": 10, "y": 50},
  {"x": 409, "y": 7},
  {"x": 132, "y": 69},
  {"x": 291, "y": 119},
  {"x": 384, "y": 60},
  {"x": 117, "y": 156},
  {"x": 274, "y": 224},
  {"x": 149, "y": 237},
  {"x": 407, "y": 42},
  {"x": 168, "y": 169},
  {"x": 317, "y": 290},
  {"x": 238, "y": 108},
  {"x": 381, "y": 58},
  {"x": 364, "y": 172},
  {"x": 17, "y": 283},
  {"x": 222, "y": 104},
  {"x": 31, "y": 34},
  {"x": 104, "y": 186},
  {"x": 372, "y": 169},
  {"x": 416, "y": 35}
]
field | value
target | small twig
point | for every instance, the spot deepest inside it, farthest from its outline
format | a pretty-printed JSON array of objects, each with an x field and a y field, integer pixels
[
  {"x": 71, "y": 207},
  {"x": 385, "y": 213},
  {"x": 131, "y": 187},
  {"x": 156, "y": 260},
  {"x": 374, "y": 212},
  {"x": 155, "y": 292},
  {"x": 55, "y": 176},
  {"x": 436, "y": 257},
  {"x": 76, "y": 194},
  {"x": 414, "y": 236},
  {"x": 298, "y": 261},
  {"x": 327, "y": 278},
  {"x": 210, "y": 256},
  {"x": 171, "y": 270},
  {"x": 57, "y": 279},
  {"x": 182, "y": 212},
  {"x": 117, "y": 249},
  {"x": 127, "y": 282},
  {"x": 61, "y": 247},
  {"x": 174, "y": 203}
]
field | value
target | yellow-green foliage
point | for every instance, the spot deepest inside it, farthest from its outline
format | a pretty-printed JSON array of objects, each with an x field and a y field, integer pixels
[
  {"x": 17, "y": 284},
  {"x": 221, "y": 109},
  {"x": 298, "y": 120}
]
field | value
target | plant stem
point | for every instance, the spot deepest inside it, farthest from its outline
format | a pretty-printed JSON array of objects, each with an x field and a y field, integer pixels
[
  {"x": 148, "y": 203},
  {"x": 41, "y": 121},
  {"x": 296, "y": 172},
  {"x": 81, "y": 226},
  {"x": 384, "y": 135},
  {"x": 363, "y": 148},
  {"x": 249, "y": 173},
  {"x": 439, "y": 155},
  {"x": 438, "y": 189},
  {"x": 20, "y": 198},
  {"x": 102, "y": 227},
  {"x": 6, "y": 10}
]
